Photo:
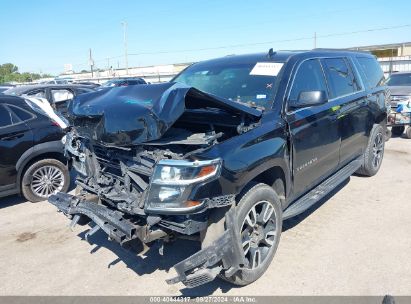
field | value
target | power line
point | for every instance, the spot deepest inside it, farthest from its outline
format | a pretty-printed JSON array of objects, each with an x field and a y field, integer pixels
[
  {"x": 269, "y": 42},
  {"x": 251, "y": 44}
]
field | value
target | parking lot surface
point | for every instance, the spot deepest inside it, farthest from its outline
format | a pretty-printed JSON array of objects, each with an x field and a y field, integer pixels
[{"x": 357, "y": 242}]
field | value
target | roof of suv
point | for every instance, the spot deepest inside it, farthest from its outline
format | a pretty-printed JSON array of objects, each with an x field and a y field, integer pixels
[{"x": 281, "y": 56}]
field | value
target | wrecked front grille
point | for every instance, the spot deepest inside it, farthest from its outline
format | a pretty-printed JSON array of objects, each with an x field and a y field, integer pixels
[{"x": 133, "y": 168}]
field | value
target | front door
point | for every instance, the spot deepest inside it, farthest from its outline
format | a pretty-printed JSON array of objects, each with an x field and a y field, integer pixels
[{"x": 314, "y": 130}]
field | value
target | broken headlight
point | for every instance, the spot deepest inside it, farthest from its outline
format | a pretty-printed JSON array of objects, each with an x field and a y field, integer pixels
[{"x": 173, "y": 181}]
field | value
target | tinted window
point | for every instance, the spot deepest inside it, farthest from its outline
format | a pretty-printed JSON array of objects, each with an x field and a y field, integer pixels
[
  {"x": 7, "y": 118},
  {"x": 399, "y": 80},
  {"x": 372, "y": 71},
  {"x": 131, "y": 82},
  {"x": 339, "y": 76},
  {"x": 20, "y": 113},
  {"x": 309, "y": 77}
]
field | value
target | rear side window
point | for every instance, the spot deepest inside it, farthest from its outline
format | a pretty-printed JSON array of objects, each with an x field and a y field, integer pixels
[
  {"x": 309, "y": 77},
  {"x": 339, "y": 76},
  {"x": 23, "y": 115},
  {"x": 5, "y": 117},
  {"x": 372, "y": 71}
]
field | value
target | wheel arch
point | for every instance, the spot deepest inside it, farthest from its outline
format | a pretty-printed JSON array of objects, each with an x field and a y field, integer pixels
[
  {"x": 53, "y": 149},
  {"x": 274, "y": 177}
]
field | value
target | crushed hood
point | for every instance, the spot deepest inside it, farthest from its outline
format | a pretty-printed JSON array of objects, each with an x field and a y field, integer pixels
[{"x": 141, "y": 113}]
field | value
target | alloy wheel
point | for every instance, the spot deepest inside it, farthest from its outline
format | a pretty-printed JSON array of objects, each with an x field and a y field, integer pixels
[
  {"x": 46, "y": 181},
  {"x": 378, "y": 150},
  {"x": 258, "y": 233}
]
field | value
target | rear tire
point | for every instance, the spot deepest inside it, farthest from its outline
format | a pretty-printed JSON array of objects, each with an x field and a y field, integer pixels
[
  {"x": 397, "y": 131},
  {"x": 374, "y": 152},
  {"x": 408, "y": 132},
  {"x": 259, "y": 220},
  {"x": 43, "y": 178}
]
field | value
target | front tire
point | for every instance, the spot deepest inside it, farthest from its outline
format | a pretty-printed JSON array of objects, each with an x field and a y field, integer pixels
[
  {"x": 44, "y": 178},
  {"x": 374, "y": 152},
  {"x": 259, "y": 220}
]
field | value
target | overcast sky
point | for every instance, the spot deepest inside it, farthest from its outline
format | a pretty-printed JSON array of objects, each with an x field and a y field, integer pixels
[{"x": 43, "y": 35}]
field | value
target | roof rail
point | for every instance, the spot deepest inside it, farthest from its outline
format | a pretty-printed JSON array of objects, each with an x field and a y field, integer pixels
[{"x": 341, "y": 50}]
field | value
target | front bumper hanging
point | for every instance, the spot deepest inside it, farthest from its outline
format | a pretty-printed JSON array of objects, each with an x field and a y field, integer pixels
[{"x": 224, "y": 254}]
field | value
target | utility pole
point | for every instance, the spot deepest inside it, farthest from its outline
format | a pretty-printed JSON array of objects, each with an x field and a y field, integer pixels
[
  {"x": 91, "y": 63},
  {"x": 315, "y": 40},
  {"x": 124, "y": 23}
]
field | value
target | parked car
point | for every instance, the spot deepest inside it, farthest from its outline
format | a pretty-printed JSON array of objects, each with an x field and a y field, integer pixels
[
  {"x": 123, "y": 82},
  {"x": 32, "y": 161},
  {"x": 224, "y": 153},
  {"x": 5, "y": 87},
  {"x": 59, "y": 95},
  {"x": 87, "y": 83},
  {"x": 399, "y": 85}
]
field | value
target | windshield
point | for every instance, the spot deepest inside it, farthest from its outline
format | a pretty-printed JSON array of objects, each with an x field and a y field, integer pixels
[
  {"x": 399, "y": 80},
  {"x": 247, "y": 83}
]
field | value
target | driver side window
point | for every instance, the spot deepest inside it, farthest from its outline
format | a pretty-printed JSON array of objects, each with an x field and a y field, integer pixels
[{"x": 309, "y": 77}]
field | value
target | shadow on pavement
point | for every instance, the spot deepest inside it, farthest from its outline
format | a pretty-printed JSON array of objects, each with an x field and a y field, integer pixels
[
  {"x": 9, "y": 201},
  {"x": 152, "y": 260},
  {"x": 294, "y": 221},
  {"x": 12, "y": 200}
]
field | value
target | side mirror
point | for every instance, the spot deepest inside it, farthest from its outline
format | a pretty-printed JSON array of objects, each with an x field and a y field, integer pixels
[{"x": 309, "y": 99}]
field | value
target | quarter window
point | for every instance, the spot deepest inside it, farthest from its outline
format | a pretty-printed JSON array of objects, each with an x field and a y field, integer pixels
[
  {"x": 23, "y": 115},
  {"x": 309, "y": 77},
  {"x": 340, "y": 78},
  {"x": 372, "y": 71},
  {"x": 7, "y": 118}
]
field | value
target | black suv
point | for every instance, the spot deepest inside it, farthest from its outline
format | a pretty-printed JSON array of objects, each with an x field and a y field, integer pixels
[
  {"x": 31, "y": 151},
  {"x": 224, "y": 153}
]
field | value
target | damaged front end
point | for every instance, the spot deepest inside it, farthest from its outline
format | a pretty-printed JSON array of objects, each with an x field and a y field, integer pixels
[{"x": 139, "y": 153}]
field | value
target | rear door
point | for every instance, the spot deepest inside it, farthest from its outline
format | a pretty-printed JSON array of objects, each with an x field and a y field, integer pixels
[
  {"x": 347, "y": 93},
  {"x": 314, "y": 130},
  {"x": 15, "y": 139}
]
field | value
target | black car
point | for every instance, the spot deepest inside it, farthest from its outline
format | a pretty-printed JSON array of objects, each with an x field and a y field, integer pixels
[
  {"x": 224, "y": 153},
  {"x": 31, "y": 152},
  {"x": 58, "y": 95},
  {"x": 122, "y": 82}
]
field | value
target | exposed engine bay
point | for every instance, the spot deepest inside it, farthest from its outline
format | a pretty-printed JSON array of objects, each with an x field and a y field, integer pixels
[
  {"x": 108, "y": 152},
  {"x": 146, "y": 178}
]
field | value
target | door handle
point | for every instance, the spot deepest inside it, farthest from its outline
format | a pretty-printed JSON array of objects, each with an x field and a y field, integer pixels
[{"x": 11, "y": 137}]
